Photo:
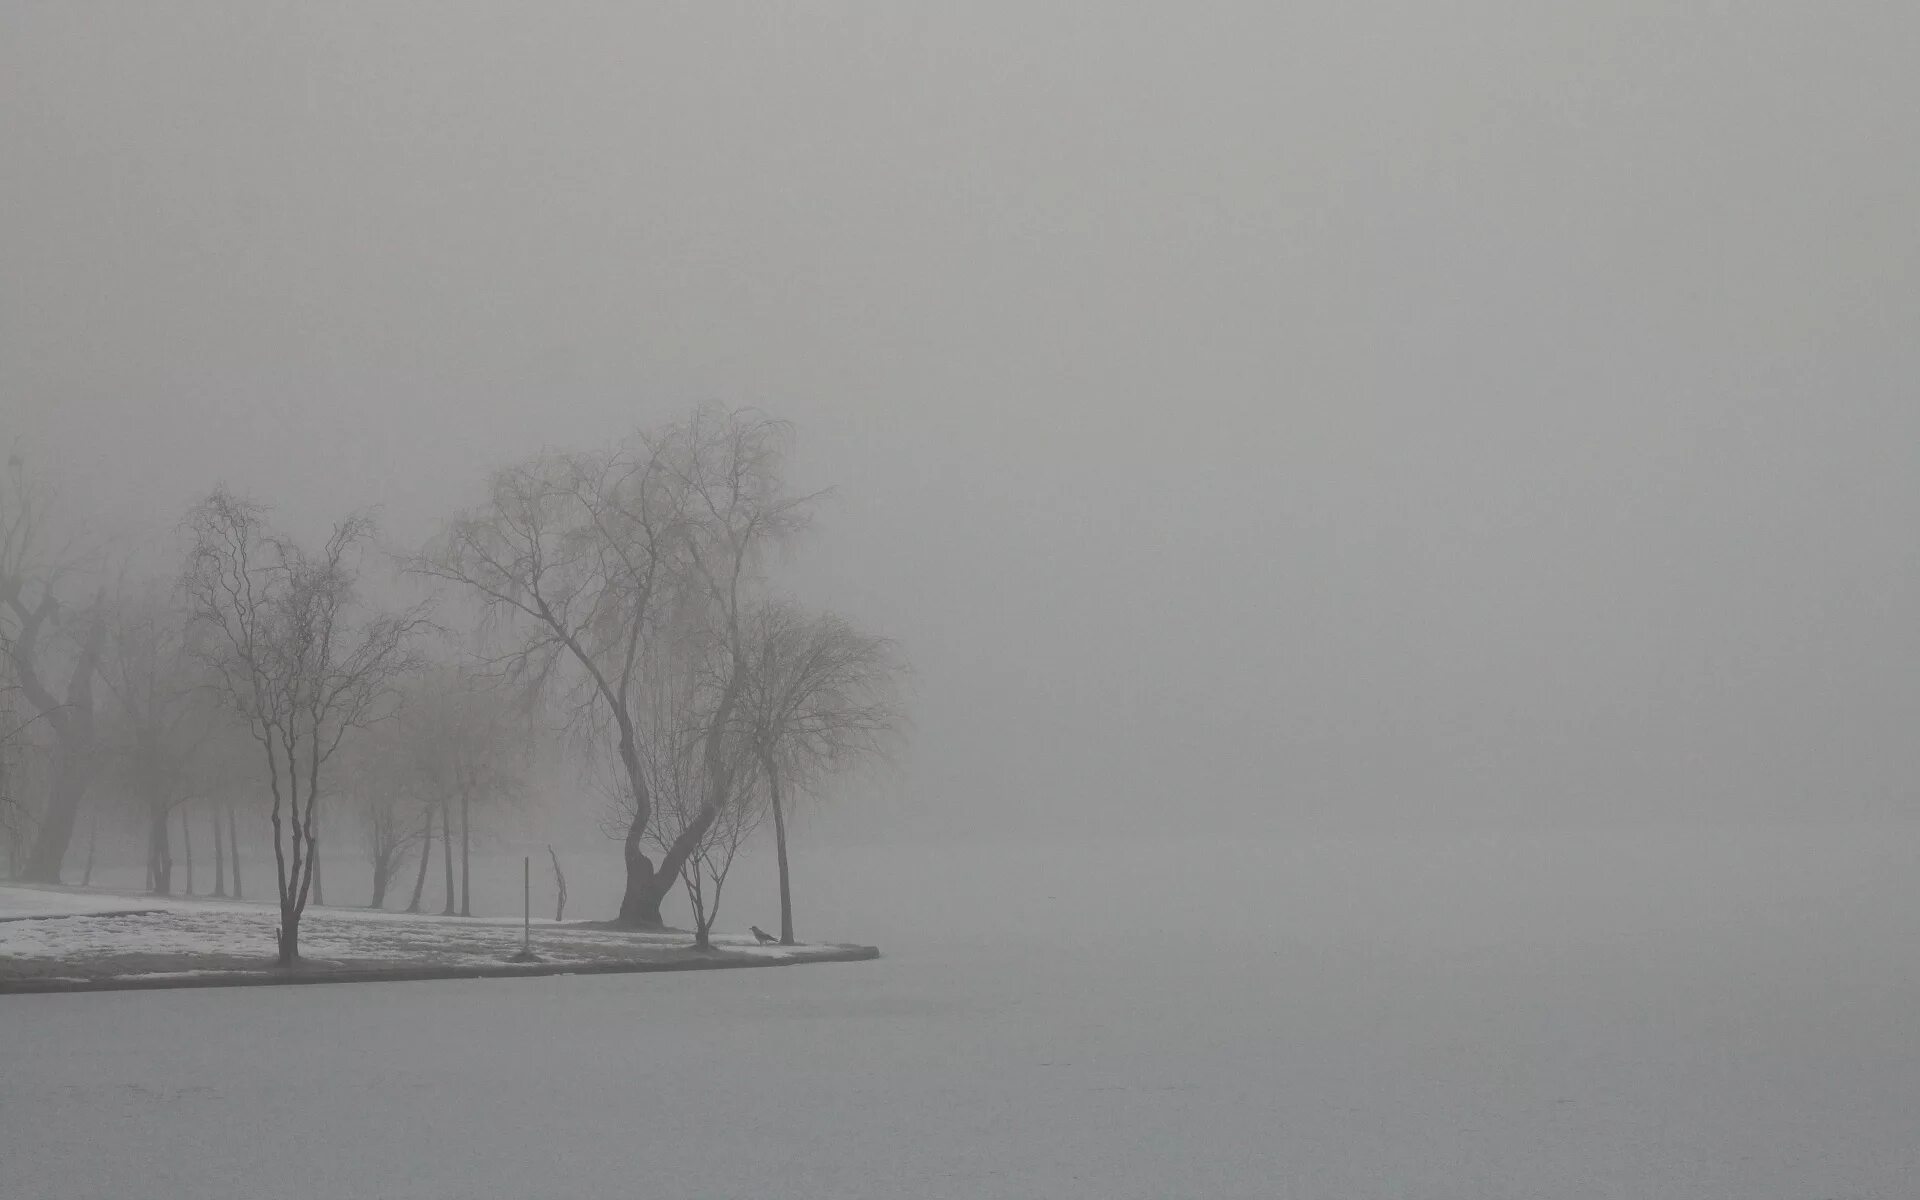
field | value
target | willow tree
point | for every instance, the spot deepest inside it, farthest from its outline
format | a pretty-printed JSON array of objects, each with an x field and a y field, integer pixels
[
  {"x": 820, "y": 697},
  {"x": 298, "y": 658},
  {"x": 582, "y": 559},
  {"x": 685, "y": 681}
]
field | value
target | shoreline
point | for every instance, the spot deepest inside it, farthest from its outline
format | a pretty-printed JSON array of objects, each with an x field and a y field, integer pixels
[{"x": 408, "y": 973}]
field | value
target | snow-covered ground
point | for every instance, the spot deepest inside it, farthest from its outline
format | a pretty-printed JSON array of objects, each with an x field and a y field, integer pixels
[
  {"x": 66, "y": 931},
  {"x": 1648, "y": 1016},
  {"x": 20, "y": 903}
]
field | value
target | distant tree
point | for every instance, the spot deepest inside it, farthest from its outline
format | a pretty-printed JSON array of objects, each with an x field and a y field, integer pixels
[
  {"x": 162, "y": 715},
  {"x": 820, "y": 697},
  {"x": 186, "y": 845},
  {"x": 446, "y": 854},
  {"x": 426, "y": 855},
  {"x": 278, "y": 625},
  {"x": 385, "y": 796},
  {"x": 18, "y": 814},
  {"x": 389, "y": 833},
  {"x": 225, "y": 769},
  {"x": 33, "y": 569},
  {"x": 384, "y": 811},
  {"x": 233, "y": 852},
  {"x": 580, "y": 558},
  {"x": 466, "y": 746}
]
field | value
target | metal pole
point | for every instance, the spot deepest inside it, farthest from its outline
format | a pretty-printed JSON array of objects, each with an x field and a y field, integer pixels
[{"x": 526, "y": 904}]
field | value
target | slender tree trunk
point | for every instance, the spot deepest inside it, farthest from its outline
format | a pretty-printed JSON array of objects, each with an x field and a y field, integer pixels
[
  {"x": 466, "y": 889},
  {"x": 93, "y": 831},
  {"x": 780, "y": 848},
  {"x": 159, "y": 853},
  {"x": 186, "y": 846},
  {"x": 67, "y": 787},
  {"x": 219, "y": 855},
  {"x": 233, "y": 850},
  {"x": 697, "y": 902},
  {"x": 446, "y": 853},
  {"x": 426, "y": 854},
  {"x": 319, "y": 891},
  {"x": 560, "y": 882},
  {"x": 382, "y": 872}
]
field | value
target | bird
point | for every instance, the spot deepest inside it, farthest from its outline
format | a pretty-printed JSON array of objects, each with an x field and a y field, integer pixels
[{"x": 762, "y": 936}]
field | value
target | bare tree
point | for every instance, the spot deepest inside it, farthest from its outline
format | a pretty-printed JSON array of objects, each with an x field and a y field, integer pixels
[
  {"x": 279, "y": 629},
  {"x": 471, "y": 747},
  {"x": 383, "y": 808},
  {"x": 386, "y": 796},
  {"x": 161, "y": 716},
  {"x": 686, "y": 678},
  {"x": 32, "y": 570},
  {"x": 705, "y": 871},
  {"x": 389, "y": 833},
  {"x": 820, "y": 697},
  {"x": 582, "y": 557}
]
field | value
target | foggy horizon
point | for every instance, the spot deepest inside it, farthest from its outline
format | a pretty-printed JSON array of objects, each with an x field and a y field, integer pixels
[{"x": 1319, "y": 418}]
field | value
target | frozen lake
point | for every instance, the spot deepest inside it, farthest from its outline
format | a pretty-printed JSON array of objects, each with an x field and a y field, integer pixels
[{"x": 1595, "y": 1015}]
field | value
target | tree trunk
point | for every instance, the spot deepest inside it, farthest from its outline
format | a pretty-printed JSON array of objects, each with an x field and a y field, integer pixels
[
  {"x": 382, "y": 871},
  {"x": 780, "y": 848},
  {"x": 646, "y": 887},
  {"x": 426, "y": 855},
  {"x": 159, "y": 853},
  {"x": 219, "y": 855},
  {"x": 186, "y": 846},
  {"x": 718, "y": 786},
  {"x": 446, "y": 853},
  {"x": 319, "y": 890},
  {"x": 93, "y": 832},
  {"x": 233, "y": 848},
  {"x": 466, "y": 889},
  {"x": 560, "y": 882},
  {"x": 67, "y": 787},
  {"x": 640, "y": 904},
  {"x": 288, "y": 937},
  {"x": 73, "y": 754}
]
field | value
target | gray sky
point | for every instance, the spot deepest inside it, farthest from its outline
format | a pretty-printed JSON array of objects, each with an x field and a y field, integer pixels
[{"x": 1305, "y": 412}]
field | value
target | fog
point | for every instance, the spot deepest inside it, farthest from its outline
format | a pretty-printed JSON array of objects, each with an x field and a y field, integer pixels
[
  {"x": 1241, "y": 416},
  {"x": 1393, "y": 428}
]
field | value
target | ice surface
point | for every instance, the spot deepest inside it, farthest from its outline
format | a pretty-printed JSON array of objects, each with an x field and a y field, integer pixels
[{"x": 1700, "y": 1016}]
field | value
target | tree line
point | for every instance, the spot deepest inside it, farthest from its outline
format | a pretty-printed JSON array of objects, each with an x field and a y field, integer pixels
[{"x": 622, "y": 599}]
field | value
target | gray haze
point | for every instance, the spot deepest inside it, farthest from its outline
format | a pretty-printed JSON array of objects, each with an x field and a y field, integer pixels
[{"x": 1244, "y": 416}]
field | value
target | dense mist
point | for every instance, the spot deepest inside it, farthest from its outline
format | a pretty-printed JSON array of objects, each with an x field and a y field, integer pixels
[{"x": 1242, "y": 416}]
